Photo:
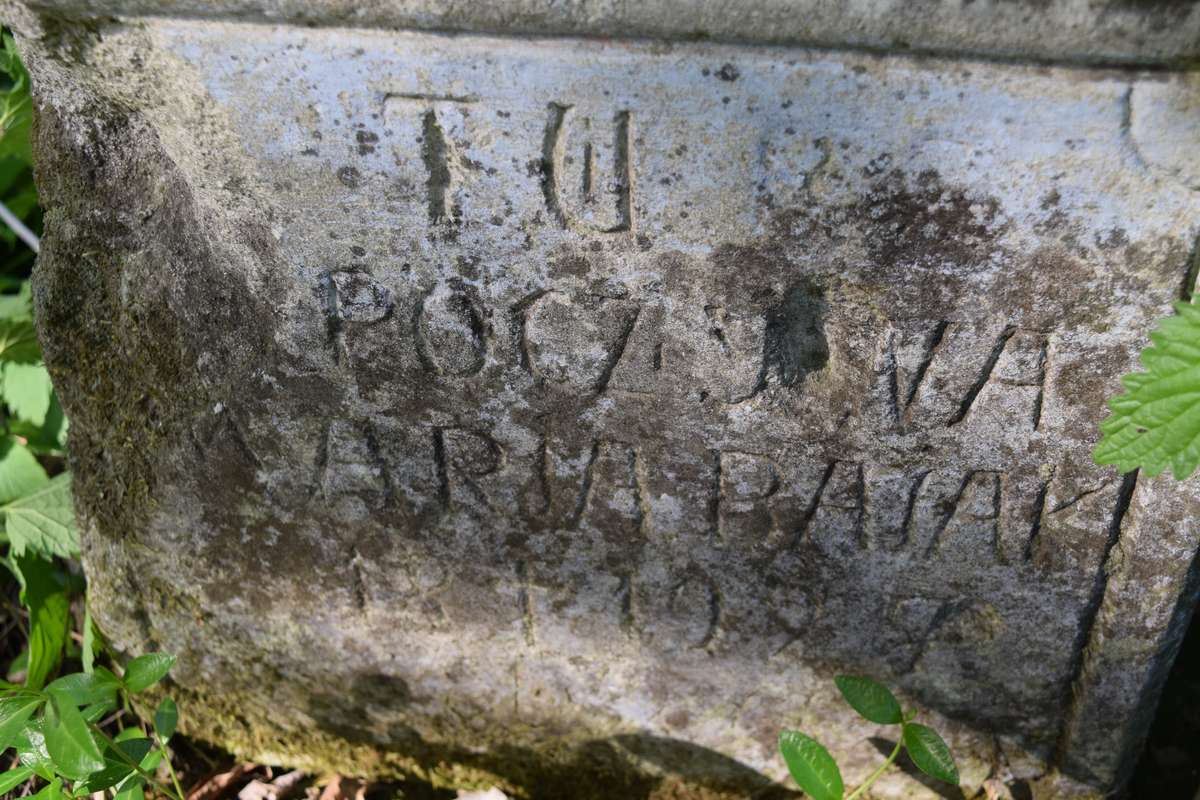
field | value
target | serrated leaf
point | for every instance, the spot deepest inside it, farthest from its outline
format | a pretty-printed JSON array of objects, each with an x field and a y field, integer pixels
[
  {"x": 72, "y": 748},
  {"x": 870, "y": 699},
  {"x": 811, "y": 766},
  {"x": 14, "y": 713},
  {"x": 48, "y": 438},
  {"x": 27, "y": 391},
  {"x": 930, "y": 753},
  {"x": 85, "y": 689},
  {"x": 146, "y": 670},
  {"x": 18, "y": 342},
  {"x": 166, "y": 717},
  {"x": 20, "y": 472},
  {"x": 44, "y": 594},
  {"x": 18, "y": 305},
  {"x": 16, "y": 107},
  {"x": 44, "y": 520},
  {"x": 1155, "y": 424},
  {"x": 14, "y": 778}
]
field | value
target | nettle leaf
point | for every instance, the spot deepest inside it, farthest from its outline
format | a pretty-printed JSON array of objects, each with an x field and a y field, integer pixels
[
  {"x": 16, "y": 108},
  {"x": 18, "y": 342},
  {"x": 147, "y": 670},
  {"x": 870, "y": 699},
  {"x": 18, "y": 305},
  {"x": 20, "y": 472},
  {"x": 48, "y": 438},
  {"x": 14, "y": 713},
  {"x": 930, "y": 753},
  {"x": 811, "y": 766},
  {"x": 27, "y": 392},
  {"x": 1155, "y": 424},
  {"x": 44, "y": 594},
  {"x": 69, "y": 740},
  {"x": 44, "y": 520}
]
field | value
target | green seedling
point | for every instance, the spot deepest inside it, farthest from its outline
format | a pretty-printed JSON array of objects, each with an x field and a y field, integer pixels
[
  {"x": 57, "y": 735},
  {"x": 816, "y": 771}
]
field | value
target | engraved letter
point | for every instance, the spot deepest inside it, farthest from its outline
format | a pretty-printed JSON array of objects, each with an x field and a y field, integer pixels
[{"x": 587, "y": 212}]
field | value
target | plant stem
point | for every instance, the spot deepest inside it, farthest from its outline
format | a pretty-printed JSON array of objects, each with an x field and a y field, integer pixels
[
  {"x": 862, "y": 787},
  {"x": 166, "y": 790},
  {"x": 162, "y": 748}
]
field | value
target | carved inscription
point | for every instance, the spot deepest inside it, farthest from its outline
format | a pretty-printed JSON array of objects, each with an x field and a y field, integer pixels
[
  {"x": 462, "y": 457},
  {"x": 591, "y": 191},
  {"x": 357, "y": 297},
  {"x": 576, "y": 341},
  {"x": 451, "y": 330},
  {"x": 927, "y": 381},
  {"x": 442, "y": 121}
]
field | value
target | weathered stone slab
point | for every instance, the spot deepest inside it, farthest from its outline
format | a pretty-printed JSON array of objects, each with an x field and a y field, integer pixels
[
  {"x": 1149, "y": 32},
  {"x": 568, "y": 411}
]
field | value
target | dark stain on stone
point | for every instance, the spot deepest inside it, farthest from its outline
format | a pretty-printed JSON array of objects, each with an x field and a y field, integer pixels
[
  {"x": 728, "y": 72},
  {"x": 926, "y": 224},
  {"x": 573, "y": 265},
  {"x": 366, "y": 142},
  {"x": 794, "y": 345}
]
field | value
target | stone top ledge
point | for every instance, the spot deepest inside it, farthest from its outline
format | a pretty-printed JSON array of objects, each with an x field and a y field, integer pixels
[{"x": 1109, "y": 32}]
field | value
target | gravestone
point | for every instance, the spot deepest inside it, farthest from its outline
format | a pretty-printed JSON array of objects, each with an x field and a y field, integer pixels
[{"x": 558, "y": 395}]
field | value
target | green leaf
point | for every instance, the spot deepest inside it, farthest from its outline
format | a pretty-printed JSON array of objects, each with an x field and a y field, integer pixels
[
  {"x": 18, "y": 342},
  {"x": 116, "y": 768},
  {"x": 871, "y": 700},
  {"x": 131, "y": 789},
  {"x": 44, "y": 594},
  {"x": 16, "y": 108},
  {"x": 69, "y": 741},
  {"x": 14, "y": 778},
  {"x": 145, "y": 671},
  {"x": 27, "y": 391},
  {"x": 44, "y": 521},
  {"x": 1155, "y": 424},
  {"x": 50, "y": 437},
  {"x": 31, "y": 749},
  {"x": 166, "y": 718},
  {"x": 811, "y": 766},
  {"x": 85, "y": 689},
  {"x": 88, "y": 649},
  {"x": 98, "y": 711},
  {"x": 20, "y": 472},
  {"x": 51, "y": 791},
  {"x": 930, "y": 753},
  {"x": 20, "y": 304},
  {"x": 14, "y": 713}
]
